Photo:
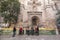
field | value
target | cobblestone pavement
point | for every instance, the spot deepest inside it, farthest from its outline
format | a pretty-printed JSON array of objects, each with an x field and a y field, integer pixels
[{"x": 30, "y": 37}]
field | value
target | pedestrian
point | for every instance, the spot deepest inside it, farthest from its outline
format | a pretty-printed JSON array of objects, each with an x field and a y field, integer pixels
[
  {"x": 14, "y": 31},
  {"x": 37, "y": 30},
  {"x": 32, "y": 31},
  {"x": 20, "y": 31},
  {"x": 27, "y": 31}
]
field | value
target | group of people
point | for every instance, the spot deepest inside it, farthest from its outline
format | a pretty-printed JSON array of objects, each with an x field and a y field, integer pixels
[
  {"x": 29, "y": 31},
  {"x": 14, "y": 31},
  {"x": 32, "y": 30}
]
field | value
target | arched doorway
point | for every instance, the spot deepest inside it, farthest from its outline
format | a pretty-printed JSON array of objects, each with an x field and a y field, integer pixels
[{"x": 35, "y": 20}]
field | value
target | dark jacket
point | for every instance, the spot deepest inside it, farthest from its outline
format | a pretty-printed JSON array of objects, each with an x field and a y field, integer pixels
[{"x": 14, "y": 29}]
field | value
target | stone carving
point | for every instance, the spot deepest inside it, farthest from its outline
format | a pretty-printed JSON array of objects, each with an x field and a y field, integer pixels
[
  {"x": 34, "y": 3},
  {"x": 51, "y": 6}
]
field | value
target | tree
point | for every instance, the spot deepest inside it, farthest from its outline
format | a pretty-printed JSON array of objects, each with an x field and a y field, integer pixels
[
  {"x": 58, "y": 21},
  {"x": 10, "y": 10},
  {"x": 58, "y": 18}
]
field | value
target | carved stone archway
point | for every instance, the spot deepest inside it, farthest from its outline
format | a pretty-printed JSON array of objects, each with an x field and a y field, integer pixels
[{"x": 35, "y": 20}]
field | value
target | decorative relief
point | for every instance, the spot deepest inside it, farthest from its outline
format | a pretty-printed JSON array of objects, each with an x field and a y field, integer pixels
[
  {"x": 51, "y": 6},
  {"x": 34, "y": 3}
]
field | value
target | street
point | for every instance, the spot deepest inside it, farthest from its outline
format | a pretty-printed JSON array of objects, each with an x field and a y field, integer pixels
[{"x": 30, "y": 37}]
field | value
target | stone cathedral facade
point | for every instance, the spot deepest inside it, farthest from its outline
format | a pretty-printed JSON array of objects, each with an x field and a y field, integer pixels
[{"x": 37, "y": 12}]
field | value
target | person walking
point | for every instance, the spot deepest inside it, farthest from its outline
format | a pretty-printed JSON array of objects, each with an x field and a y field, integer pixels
[
  {"x": 27, "y": 31},
  {"x": 37, "y": 30},
  {"x": 32, "y": 31},
  {"x": 20, "y": 31},
  {"x": 14, "y": 31}
]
